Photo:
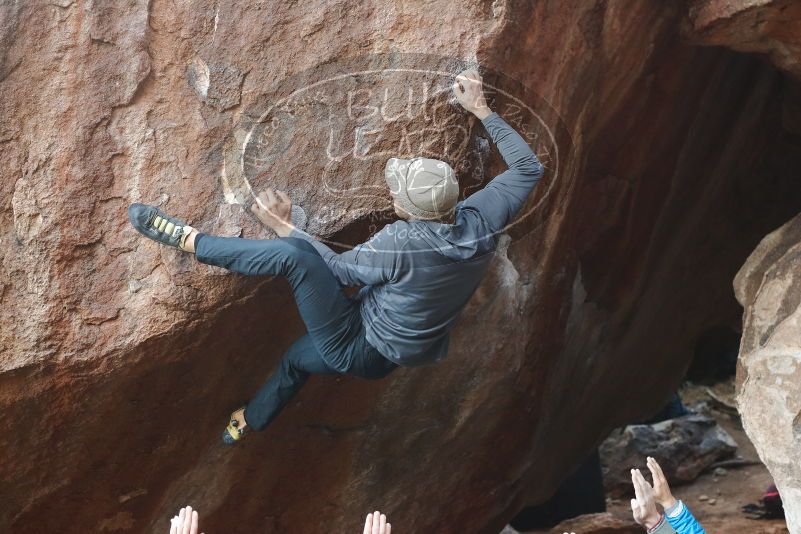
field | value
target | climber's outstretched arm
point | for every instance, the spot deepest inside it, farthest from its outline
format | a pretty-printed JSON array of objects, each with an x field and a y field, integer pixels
[{"x": 503, "y": 197}]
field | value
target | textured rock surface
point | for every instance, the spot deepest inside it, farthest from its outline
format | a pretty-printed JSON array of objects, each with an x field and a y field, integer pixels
[
  {"x": 684, "y": 447},
  {"x": 769, "y": 27},
  {"x": 120, "y": 359},
  {"x": 769, "y": 376}
]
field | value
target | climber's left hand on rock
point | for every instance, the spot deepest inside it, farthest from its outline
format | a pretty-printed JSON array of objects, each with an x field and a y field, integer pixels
[
  {"x": 274, "y": 209},
  {"x": 468, "y": 89}
]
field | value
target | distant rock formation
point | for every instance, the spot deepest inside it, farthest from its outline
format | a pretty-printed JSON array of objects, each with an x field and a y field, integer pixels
[
  {"x": 769, "y": 374},
  {"x": 684, "y": 447}
]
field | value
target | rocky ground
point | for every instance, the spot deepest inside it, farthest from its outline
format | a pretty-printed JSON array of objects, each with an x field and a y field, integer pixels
[{"x": 716, "y": 496}]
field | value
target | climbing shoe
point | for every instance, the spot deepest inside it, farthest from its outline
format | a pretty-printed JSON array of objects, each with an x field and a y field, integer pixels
[
  {"x": 158, "y": 226},
  {"x": 235, "y": 429}
]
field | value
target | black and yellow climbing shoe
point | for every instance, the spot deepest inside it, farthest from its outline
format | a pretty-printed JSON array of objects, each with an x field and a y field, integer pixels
[
  {"x": 237, "y": 427},
  {"x": 158, "y": 226}
]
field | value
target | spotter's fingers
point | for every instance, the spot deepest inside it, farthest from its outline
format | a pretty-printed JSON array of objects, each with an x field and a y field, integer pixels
[
  {"x": 656, "y": 470},
  {"x": 638, "y": 494}
]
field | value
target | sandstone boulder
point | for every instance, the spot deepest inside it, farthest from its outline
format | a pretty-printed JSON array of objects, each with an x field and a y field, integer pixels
[
  {"x": 769, "y": 373},
  {"x": 767, "y": 27},
  {"x": 120, "y": 360}
]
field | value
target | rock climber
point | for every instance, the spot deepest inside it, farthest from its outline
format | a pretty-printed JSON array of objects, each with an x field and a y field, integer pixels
[{"x": 417, "y": 273}]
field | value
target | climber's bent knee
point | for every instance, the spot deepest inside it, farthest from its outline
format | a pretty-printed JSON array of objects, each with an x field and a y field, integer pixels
[
  {"x": 298, "y": 254},
  {"x": 300, "y": 244}
]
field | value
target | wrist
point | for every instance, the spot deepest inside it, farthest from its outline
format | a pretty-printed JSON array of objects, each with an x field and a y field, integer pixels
[
  {"x": 283, "y": 230},
  {"x": 669, "y": 502},
  {"x": 652, "y": 522},
  {"x": 482, "y": 113}
]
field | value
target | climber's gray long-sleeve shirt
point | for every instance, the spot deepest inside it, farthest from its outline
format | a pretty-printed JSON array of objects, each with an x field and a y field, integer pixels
[{"x": 418, "y": 275}]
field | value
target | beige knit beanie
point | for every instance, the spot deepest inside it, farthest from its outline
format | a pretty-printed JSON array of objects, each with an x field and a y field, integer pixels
[{"x": 425, "y": 188}]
